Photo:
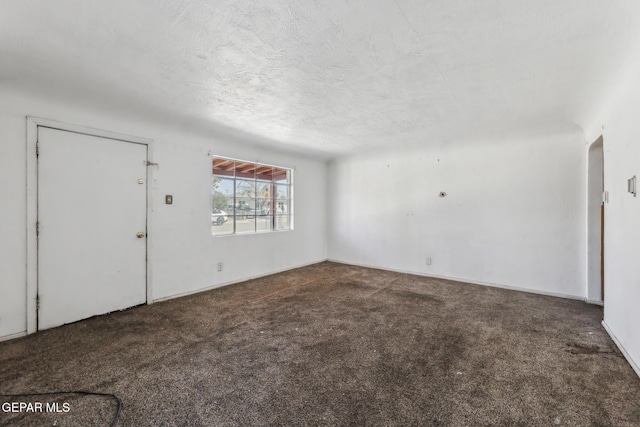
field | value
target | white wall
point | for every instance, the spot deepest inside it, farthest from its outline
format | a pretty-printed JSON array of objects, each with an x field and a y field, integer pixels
[
  {"x": 619, "y": 125},
  {"x": 514, "y": 215},
  {"x": 183, "y": 252}
]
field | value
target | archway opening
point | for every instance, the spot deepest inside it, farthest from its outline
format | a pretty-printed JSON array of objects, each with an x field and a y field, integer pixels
[{"x": 595, "y": 219}]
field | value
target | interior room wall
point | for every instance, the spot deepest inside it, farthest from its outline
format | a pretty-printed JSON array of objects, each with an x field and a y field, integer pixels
[
  {"x": 619, "y": 125},
  {"x": 513, "y": 214},
  {"x": 184, "y": 254}
]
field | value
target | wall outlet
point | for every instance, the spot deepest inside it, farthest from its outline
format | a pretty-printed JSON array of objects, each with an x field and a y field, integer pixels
[
  {"x": 220, "y": 265},
  {"x": 428, "y": 260}
]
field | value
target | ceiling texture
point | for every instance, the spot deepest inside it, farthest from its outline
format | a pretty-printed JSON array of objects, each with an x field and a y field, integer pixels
[{"x": 327, "y": 77}]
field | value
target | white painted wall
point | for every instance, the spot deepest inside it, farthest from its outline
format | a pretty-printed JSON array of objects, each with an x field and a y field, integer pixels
[
  {"x": 514, "y": 215},
  {"x": 619, "y": 125},
  {"x": 183, "y": 252}
]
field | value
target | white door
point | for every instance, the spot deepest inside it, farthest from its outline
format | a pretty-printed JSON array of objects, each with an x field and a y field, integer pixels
[{"x": 92, "y": 203}]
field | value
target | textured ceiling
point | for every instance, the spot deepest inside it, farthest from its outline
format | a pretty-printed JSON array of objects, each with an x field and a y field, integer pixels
[{"x": 329, "y": 76}]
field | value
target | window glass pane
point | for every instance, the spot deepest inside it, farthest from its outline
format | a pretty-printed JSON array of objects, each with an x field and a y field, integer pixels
[
  {"x": 283, "y": 191},
  {"x": 221, "y": 198},
  {"x": 281, "y": 175},
  {"x": 245, "y": 224},
  {"x": 245, "y": 198},
  {"x": 283, "y": 207},
  {"x": 263, "y": 222},
  {"x": 282, "y": 222},
  {"x": 263, "y": 206},
  {"x": 220, "y": 225},
  {"x": 245, "y": 170},
  {"x": 264, "y": 173},
  {"x": 245, "y": 188},
  {"x": 223, "y": 167},
  {"x": 222, "y": 192},
  {"x": 263, "y": 189}
]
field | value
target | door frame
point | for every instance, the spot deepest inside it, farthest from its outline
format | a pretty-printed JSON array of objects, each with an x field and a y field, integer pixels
[{"x": 33, "y": 123}]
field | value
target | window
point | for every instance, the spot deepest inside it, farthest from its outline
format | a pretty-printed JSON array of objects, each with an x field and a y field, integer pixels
[{"x": 250, "y": 197}]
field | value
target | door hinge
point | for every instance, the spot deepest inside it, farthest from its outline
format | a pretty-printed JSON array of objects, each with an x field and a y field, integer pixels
[
  {"x": 37, "y": 302},
  {"x": 37, "y": 149},
  {"x": 37, "y": 228}
]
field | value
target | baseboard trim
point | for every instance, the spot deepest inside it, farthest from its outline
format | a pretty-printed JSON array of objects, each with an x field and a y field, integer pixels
[
  {"x": 13, "y": 336},
  {"x": 594, "y": 302},
  {"x": 244, "y": 279},
  {"x": 623, "y": 350},
  {"x": 473, "y": 282}
]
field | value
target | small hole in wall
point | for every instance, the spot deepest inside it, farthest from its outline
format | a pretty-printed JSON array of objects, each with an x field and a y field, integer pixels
[{"x": 442, "y": 194}]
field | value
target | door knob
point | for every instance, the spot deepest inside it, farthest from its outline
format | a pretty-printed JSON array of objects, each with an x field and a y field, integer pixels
[{"x": 140, "y": 235}]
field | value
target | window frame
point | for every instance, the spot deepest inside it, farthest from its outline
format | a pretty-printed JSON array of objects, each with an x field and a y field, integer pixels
[{"x": 274, "y": 202}]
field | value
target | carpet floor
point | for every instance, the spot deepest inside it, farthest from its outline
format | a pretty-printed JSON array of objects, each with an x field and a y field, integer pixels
[{"x": 333, "y": 345}]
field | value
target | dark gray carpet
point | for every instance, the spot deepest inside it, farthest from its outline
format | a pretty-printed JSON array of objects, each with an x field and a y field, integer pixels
[{"x": 332, "y": 344}]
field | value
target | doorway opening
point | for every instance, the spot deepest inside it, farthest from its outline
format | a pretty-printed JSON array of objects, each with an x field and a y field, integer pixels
[{"x": 595, "y": 222}]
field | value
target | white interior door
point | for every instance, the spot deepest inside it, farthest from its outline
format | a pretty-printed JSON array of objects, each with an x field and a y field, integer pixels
[{"x": 92, "y": 203}]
